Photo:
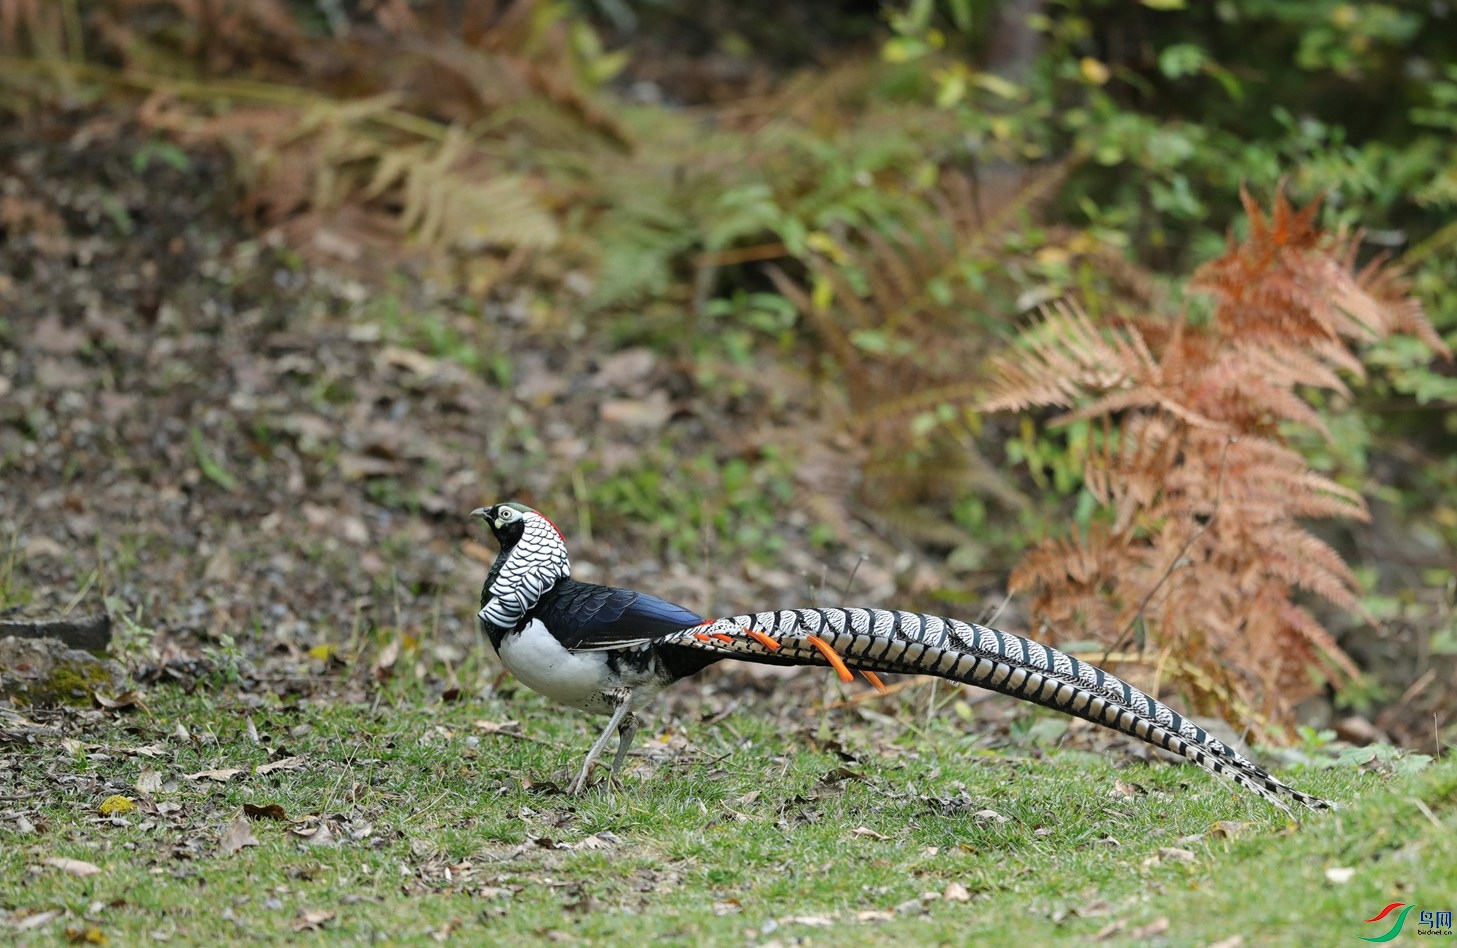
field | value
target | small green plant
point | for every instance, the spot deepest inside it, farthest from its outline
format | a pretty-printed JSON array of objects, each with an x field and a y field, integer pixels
[
  {"x": 162, "y": 151},
  {"x": 730, "y": 505},
  {"x": 1313, "y": 742},
  {"x": 226, "y": 660},
  {"x": 212, "y": 468},
  {"x": 1383, "y": 758},
  {"x": 14, "y": 592},
  {"x": 133, "y": 642}
]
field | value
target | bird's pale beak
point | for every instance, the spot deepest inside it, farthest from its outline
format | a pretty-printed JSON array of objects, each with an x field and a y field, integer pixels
[{"x": 481, "y": 513}]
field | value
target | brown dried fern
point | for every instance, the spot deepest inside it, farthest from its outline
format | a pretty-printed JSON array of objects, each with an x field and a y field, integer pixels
[
  {"x": 1203, "y": 551},
  {"x": 409, "y": 119}
]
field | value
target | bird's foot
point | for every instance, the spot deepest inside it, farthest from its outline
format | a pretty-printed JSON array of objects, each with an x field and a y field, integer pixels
[{"x": 579, "y": 785}]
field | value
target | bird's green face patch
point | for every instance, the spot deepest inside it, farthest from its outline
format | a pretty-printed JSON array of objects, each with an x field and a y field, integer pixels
[{"x": 510, "y": 513}]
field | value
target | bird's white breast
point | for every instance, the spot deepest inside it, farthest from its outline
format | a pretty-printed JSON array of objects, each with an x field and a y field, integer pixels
[{"x": 576, "y": 679}]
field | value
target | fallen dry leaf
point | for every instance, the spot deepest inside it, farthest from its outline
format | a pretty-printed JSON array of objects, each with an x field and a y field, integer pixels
[
  {"x": 273, "y": 811},
  {"x": 510, "y": 728},
  {"x": 319, "y": 835},
  {"x": 867, "y": 831},
  {"x": 1340, "y": 875},
  {"x": 37, "y": 920},
  {"x": 646, "y": 414},
  {"x": 148, "y": 781},
  {"x": 147, "y": 750},
  {"x": 1124, "y": 789},
  {"x": 1229, "y": 828},
  {"x": 311, "y": 920},
  {"x": 1156, "y": 927},
  {"x": 490, "y": 892},
  {"x": 384, "y": 664},
  {"x": 52, "y": 335},
  {"x": 40, "y": 546},
  {"x": 358, "y": 467},
  {"x": 417, "y": 362},
  {"x": 238, "y": 834},
  {"x": 221, "y": 568},
  {"x": 75, "y": 867},
  {"x": 127, "y": 699},
  {"x": 221, "y": 776},
  {"x": 956, "y": 892},
  {"x": 625, "y": 367},
  {"x": 87, "y": 934},
  {"x": 287, "y": 763}
]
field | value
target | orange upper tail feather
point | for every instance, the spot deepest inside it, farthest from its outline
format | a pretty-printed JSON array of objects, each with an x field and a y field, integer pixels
[
  {"x": 837, "y": 663},
  {"x": 762, "y": 639}
]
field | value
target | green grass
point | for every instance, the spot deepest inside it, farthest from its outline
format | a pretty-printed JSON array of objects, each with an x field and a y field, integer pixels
[{"x": 726, "y": 833}]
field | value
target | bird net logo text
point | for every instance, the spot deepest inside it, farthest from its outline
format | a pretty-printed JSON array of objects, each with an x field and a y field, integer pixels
[{"x": 1428, "y": 922}]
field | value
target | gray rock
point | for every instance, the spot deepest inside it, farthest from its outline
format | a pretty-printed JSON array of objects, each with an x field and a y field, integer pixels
[{"x": 45, "y": 672}]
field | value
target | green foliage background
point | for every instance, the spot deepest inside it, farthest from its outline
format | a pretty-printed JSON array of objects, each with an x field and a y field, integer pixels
[{"x": 676, "y": 152}]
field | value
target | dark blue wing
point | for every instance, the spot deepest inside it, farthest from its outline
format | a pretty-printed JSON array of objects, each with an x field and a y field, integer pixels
[{"x": 586, "y": 616}]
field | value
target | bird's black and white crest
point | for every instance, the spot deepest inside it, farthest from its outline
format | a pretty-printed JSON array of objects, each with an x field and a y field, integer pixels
[{"x": 534, "y": 562}]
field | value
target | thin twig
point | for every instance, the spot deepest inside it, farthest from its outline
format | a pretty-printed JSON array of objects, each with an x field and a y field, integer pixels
[
  {"x": 850, "y": 580},
  {"x": 1427, "y": 811}
]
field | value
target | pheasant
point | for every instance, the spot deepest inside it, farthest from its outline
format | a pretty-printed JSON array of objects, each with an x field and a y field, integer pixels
[{"x": 610, "y": 651}]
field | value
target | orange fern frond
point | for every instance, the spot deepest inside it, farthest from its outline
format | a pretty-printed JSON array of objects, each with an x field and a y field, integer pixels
[
  {"x": 1064, "y": 356},
  {"x": 1202, "y": 546}
]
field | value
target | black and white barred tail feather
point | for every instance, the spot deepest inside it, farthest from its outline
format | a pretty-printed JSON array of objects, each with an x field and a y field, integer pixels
[{"x": 912, "y": 643}]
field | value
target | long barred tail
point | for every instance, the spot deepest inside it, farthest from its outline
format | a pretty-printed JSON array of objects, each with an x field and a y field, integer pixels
[{"x": 912, "y": 643}]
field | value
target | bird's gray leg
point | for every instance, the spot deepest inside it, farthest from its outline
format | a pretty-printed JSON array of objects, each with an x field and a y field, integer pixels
[
  {"x": 625, "y": 733},
  {"x": 623, "y": 699}
]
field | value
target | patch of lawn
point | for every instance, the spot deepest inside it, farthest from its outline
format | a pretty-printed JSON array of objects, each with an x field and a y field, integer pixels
[{"x": 407, "y": 817}]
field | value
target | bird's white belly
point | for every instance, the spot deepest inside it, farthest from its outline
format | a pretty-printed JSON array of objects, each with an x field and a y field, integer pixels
[{"x": 576, "y": 679}]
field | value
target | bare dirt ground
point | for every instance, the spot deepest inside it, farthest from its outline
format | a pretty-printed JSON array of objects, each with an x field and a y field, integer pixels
[{"x": 207, "y": 432}]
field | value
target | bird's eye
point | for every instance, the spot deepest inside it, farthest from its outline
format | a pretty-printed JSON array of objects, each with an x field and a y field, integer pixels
[{"x": 507, "y": 515}]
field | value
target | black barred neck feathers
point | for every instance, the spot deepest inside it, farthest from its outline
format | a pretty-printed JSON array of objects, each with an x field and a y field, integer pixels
[{"x": 533, "y": 558}]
